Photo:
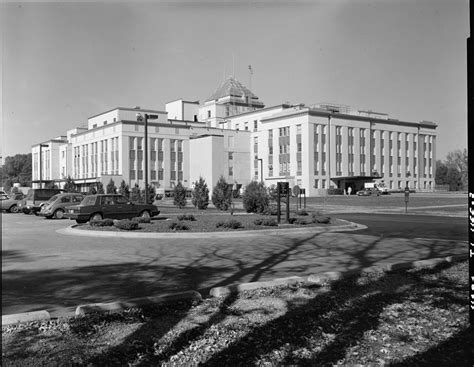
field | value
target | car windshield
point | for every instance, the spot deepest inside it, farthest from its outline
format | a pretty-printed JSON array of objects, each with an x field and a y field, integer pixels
[{"x": 53, "y": 199}]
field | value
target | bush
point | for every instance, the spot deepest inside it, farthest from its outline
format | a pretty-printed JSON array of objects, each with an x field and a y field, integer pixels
[
  {"x": 318, "y": 218},
  {"x": 124, "y": 190},
  {"x": 141, "y": 219},
  {"x": 300, "y": 221},
  {"x": 126, "y": 224},
  {"x": 335, "y": 191},
  {"x": 258, "y": 222},
  {"x": 135, "y": 194},
  {"x": 188, "y": 217},
  {"x": 255, "y": 198},
  {"x": 230, "y": 224},
  {"x": 179, "y": 192},
  {"x": 111, "y": 188},
  {"x": 107, "y": 222},
  {"x": 272, "y": 210},
  {"x": 301, "y": 212},
  {"x": 222, "y": 194},
  {"x": 292, "y": 220},
  {"x": 178, "y": 226},
  {"x": 200, "y": 194},
  {"x": 270, "y": 222}
]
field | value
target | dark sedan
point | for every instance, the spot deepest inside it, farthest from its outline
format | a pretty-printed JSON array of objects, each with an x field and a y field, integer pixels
[
  {"x": 97, "y": 207},
  {"x": 368, "y": 192}
]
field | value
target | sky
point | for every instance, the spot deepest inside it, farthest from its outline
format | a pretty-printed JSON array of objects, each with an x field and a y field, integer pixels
[{"x": 63, "y": 62}]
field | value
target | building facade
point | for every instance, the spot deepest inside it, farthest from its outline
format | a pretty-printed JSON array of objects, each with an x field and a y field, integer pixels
[{"x": 232, "y": 134}]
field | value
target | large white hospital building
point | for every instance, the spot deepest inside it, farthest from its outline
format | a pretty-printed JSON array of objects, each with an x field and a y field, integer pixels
[{"x": 233, "y": 134}]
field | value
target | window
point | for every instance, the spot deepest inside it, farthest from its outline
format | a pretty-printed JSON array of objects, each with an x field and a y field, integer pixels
[
  {"x": 231, "y": 156},
  {"x": 298, "y": 129},
  {"x": 255, "y": 124},
  {"x": 209, "y": 114}
]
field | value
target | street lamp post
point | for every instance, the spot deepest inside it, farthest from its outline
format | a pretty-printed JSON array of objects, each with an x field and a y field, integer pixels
[
  {"x": 145, "y": 118},
  {"x": 41, "y": 165}
]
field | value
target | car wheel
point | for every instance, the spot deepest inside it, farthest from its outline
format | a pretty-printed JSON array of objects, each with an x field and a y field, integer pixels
[
  {"x": 145, "y": 214},
  {"x": 96, "y": 216},
  {"x": 58, "y": 214},
  {"x": 13, "y": 209}
]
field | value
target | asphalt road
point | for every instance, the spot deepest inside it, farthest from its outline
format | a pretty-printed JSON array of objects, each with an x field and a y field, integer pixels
[{"x": 42, "y": 269}]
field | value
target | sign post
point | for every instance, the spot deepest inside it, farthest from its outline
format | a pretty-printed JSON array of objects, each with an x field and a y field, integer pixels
[
  {"x": 283, "y": 188},
  {"x": 407, "y": 196},
  {"x": 296, "y": 192}
]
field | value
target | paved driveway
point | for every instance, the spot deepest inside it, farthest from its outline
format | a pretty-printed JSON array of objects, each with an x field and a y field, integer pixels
[{"x": 42, "y": 269}]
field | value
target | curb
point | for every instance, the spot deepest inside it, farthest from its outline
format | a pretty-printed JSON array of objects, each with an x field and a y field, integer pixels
[
  {"x": 224, "y": 291},
  {"x": 137, "y": 302},
  {"x": 331, "y": 276},
  {"x": 350, "y": 226},
  {"x": 194, "y": 296},
  {"x": 25, "y": 317}
]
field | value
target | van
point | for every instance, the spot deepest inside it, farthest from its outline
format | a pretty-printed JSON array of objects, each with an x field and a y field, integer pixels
[{"x": 35, "y": 198}]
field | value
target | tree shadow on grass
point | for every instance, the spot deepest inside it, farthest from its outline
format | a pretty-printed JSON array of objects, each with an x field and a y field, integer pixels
[{"x": 344, "y": 313}]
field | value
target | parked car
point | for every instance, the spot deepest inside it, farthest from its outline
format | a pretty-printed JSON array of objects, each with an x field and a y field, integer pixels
[
  {"x": 96, "y": 207},
  {"x": 368, "y": 192},
  {"x": 35, "y": 198},
  {"x": 55, "y": 207},
  {"x": 10, "y": 203}
]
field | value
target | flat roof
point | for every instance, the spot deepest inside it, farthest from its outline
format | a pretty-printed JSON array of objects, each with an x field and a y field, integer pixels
[{"x": 127, "y": 109}]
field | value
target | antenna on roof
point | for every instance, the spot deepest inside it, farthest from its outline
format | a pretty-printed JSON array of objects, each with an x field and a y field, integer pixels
[{"x": 250, "y": 86}]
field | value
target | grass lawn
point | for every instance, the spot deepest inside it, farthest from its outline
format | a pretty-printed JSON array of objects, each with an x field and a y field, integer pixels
[{"x": 401, "y": 318}]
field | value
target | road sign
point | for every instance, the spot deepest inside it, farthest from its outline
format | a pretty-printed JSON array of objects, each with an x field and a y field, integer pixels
[{"x": 296, "y": 190}]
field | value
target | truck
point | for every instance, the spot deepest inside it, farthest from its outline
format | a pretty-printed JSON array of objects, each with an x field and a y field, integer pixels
[{"x": 377, "y": 184}]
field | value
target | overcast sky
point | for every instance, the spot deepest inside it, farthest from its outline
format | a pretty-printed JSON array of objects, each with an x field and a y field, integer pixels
[{"x": 64, "y": 62}]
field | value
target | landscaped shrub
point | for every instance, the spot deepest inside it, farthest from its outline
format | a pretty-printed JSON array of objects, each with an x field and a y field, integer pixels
[
  {"x": 135, "y": 194},
  {"x": 291, "y": 220},
  {"x": 124, "y": 189},
  {"x": 258, "y": 222},
  {"x": 200, "y": 194},
  {"x": 272, "y": 210},
  {"x": 319, "y": 218},
  {"x": 270, "y": 222},
  {"x": 111, "y": 188},
  {"x": 222, "y": 194},
  {"x": 178, "y": 226},
  {"x": 126, "y": 224},
  {"x": 300, "y": 221},
  {"x": 231, "y": 224},
  {"x": 255, "y": 198},
  {"x": 107, "y": 222},
  {"x": 179, "y": 192},
  {"x": 301, "y": 212},
  {"x": 188, "y": 217},
  {"x": 335, "y": 191},
  {"x": 142, "y": 219}
]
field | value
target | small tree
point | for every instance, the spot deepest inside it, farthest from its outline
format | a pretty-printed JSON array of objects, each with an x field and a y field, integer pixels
[
  {"x": 179, "y": 195},
  {"x": 200, "y": 194},
  {"x": 255, "y": 198},
  {"x": 222, "y": 194},
  {"x": 111, "y": 188},
  {"x": 124, "y": 189},
  {"x": 100, "y": 188},
  {"x": 151, "y": 194},
  {"x": 136, "y": 195},
  {"x": 69, "y": 185},
  {"x": 92, "y": 190}
]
